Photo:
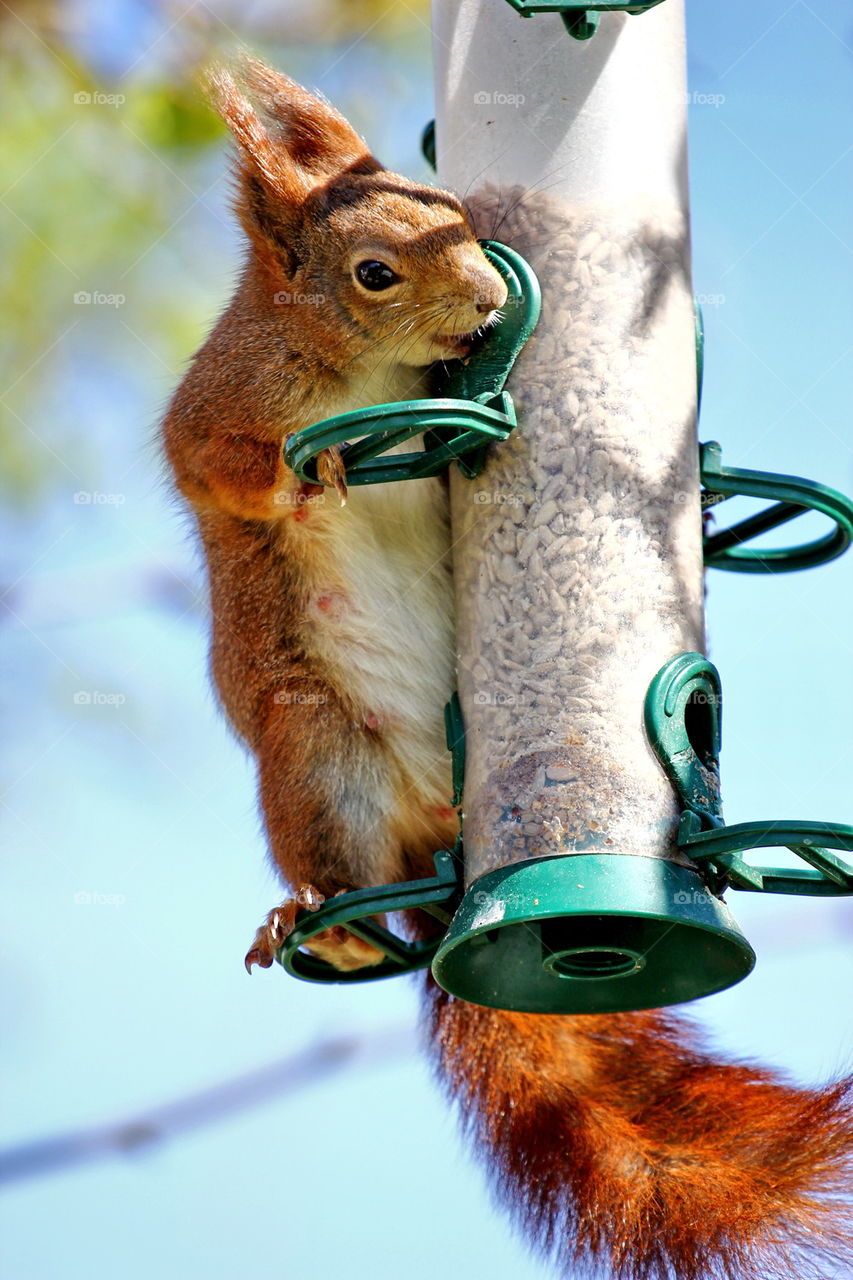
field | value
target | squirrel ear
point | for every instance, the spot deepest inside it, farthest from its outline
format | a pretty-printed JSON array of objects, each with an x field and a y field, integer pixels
[{"x": 292, "y": 139}]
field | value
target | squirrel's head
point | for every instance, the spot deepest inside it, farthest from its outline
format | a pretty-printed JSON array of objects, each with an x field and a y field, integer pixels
[{"x": 380, "y": 268}]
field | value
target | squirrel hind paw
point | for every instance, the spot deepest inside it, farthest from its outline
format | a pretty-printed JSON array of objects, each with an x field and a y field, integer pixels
[
  {"x": 343, "y": 950},
  {"x": 331, "y": 470},
  {"x": 337, "y": 946},
  {"x": 279, "y": 924}
]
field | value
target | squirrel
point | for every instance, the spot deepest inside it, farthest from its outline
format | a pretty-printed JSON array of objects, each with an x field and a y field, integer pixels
[{"x": 619, "y": 1139}]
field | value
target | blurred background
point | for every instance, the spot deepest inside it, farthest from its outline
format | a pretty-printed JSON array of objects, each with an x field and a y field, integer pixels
[{"x": 162, "y": 1112}]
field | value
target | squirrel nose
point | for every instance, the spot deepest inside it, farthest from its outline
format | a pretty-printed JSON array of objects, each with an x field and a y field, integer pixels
[
  {"x": 491, "y": 291},
  {"x": 492, "y": 297}
]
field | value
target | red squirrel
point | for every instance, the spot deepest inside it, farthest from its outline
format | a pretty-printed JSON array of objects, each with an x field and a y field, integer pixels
[{"x": 617, "y": 1139}]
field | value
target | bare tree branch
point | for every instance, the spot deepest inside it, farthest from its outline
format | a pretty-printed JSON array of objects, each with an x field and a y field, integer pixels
[{"x": 196, "y": 1110}]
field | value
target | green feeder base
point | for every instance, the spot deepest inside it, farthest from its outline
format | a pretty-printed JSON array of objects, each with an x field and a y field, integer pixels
[{"x": 590, "y": 933}]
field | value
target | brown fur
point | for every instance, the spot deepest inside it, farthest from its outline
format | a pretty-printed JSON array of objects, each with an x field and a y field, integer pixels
[
  {"x": 338, "y": 809},
  {"x": 617, "y": 1139}
]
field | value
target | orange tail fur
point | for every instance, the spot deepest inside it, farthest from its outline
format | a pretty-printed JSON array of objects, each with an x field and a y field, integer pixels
[{"x": 620, "y": 1141}]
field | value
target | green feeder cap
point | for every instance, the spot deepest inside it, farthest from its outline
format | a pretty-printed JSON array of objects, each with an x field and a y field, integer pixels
[{"x": 590, "y": 933}]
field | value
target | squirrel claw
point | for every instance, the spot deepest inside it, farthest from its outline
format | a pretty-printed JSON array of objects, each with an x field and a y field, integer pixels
[
  {"x": 254, "y": 957},
  {"x": 278, "y": 924},
  {"x": 337, "y": 946},
  {"x": 331, "y": 470}
]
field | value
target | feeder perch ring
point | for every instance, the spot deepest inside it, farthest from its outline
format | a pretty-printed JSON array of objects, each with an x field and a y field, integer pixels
[
  {"x": 683, "y": 713},
  {"x": 793, "y": 496},
  {"x": 355, "y": 910},
  {"x": 826, "y": 875}
]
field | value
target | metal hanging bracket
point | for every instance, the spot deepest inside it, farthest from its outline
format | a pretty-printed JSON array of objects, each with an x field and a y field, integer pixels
[
  {"x": 581, "y": 20},
  {"x": 683, "y": 718},
  {"x": 683, "y": 715}
]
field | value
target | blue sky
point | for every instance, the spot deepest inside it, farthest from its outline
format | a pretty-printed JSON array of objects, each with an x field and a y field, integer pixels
[{"x": 138, "y": 798}]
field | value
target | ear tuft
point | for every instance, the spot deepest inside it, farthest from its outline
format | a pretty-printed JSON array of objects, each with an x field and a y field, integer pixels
[
  {"x": 256, "y": 146},
  {"x": 293, "y": 139},
  {"x": 316, "y": 135}
]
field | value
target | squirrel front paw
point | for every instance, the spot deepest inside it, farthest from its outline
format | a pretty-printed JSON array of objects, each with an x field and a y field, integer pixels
[
  {"x": 331, "y": 470},
  {"x": 337, "y": 946}
]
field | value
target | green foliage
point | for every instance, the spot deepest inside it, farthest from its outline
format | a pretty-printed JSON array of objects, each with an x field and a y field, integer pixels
[
  {"x": 108, "y": 192},
  {"x": 91, "y": 180}
]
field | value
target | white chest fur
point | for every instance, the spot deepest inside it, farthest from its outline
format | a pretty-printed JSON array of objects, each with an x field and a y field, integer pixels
[{"x": 380, "y": 612}]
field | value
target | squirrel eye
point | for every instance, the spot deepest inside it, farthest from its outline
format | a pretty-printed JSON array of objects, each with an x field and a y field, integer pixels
[{"x": 375, "y": 275}]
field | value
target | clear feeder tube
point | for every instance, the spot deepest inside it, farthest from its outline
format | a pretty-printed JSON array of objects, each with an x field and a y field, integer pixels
[{"x": 578, "y": 550}]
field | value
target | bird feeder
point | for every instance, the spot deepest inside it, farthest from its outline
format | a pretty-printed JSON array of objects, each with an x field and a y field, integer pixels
[{"x": 593, "y": 860}]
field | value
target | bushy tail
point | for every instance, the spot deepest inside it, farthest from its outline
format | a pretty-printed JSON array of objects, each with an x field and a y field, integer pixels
[{"x": 619, "y": 1140}]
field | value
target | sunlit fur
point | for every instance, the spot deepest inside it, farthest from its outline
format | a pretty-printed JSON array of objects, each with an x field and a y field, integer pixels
[
  {"x": 623, "y": 1147},
  {"x": 612, "y": 1138},
  {"x": 332, "y": 626}
]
